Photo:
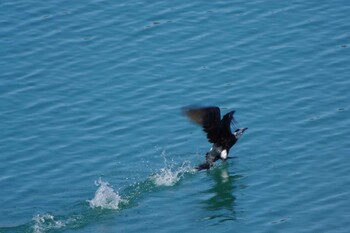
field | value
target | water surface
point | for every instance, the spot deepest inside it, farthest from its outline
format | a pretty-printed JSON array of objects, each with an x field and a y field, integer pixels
[{"x": 92, "y": 138}]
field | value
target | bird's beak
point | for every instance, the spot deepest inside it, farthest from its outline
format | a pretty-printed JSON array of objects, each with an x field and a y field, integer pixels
[{"x": 244, "y": 129}]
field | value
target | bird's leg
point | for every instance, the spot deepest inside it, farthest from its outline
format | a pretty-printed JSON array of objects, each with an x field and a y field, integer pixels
[{"x": 209, "y": 162}]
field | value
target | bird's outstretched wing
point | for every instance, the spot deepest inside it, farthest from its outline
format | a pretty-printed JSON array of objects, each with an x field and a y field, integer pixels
[
  {"x": 225, "y": 125},
  {"x": 209, "y": 118}
]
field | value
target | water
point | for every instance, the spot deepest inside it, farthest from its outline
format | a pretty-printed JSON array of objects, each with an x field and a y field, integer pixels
[{"x": 92, "y": 138}]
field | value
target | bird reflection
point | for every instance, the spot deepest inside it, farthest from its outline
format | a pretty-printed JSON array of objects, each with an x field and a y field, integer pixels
[{"x": 222, "y": 202}]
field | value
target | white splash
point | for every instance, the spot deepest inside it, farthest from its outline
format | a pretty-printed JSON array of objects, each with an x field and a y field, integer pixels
[
  {"x": 43, "y": 223},
  {"x": 168, "y": 176},
  {"x": 105, "y": 197}
]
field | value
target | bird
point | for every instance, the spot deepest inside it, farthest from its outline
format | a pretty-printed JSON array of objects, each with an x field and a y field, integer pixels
[{"x": 218, "y": 132}]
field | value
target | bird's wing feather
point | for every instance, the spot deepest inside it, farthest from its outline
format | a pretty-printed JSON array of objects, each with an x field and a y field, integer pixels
[
  {"x": 209, "y": 118},
  {"x": 225, "y": 124}
]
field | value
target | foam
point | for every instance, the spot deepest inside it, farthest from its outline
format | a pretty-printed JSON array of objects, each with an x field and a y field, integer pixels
[
  {"x": 46, "y": 222},
  {"x": 105, "y": 197},
  {"x": 168, "y": 176}
]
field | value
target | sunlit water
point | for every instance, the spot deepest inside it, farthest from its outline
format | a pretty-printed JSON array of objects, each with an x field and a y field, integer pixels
[{"x": 92, "y": 138}]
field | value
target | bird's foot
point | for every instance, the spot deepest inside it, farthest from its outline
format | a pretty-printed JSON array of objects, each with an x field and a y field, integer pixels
[{"x": 204, "y": 166}]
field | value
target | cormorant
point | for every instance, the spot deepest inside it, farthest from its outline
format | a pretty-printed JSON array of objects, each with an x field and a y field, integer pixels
[{"x": 218, "y": 132}]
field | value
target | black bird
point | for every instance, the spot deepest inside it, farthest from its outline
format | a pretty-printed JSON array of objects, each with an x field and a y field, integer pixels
[{"x": 218, "y": 132}]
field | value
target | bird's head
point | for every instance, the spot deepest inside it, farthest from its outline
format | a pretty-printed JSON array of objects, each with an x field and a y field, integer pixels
[{"x": 239, "y": 132}]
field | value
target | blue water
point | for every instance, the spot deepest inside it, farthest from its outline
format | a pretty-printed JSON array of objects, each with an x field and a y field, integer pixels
[{"x": 92, "y": 138}]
